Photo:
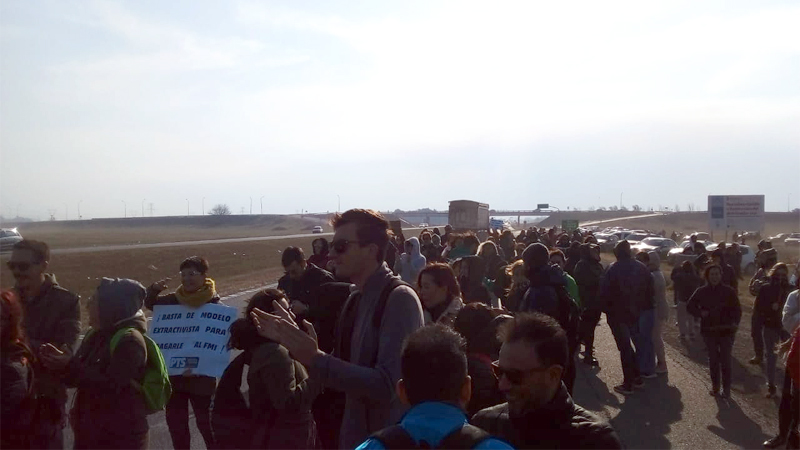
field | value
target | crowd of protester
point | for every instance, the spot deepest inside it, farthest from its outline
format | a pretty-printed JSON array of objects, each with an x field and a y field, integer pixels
[{"x": 448, "y": 340}]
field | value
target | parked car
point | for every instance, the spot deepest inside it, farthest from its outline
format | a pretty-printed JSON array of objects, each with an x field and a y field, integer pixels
[
  {"x": 9, "y": 237},
  {"x": 676, "y": 256},
  {"x": 317, "y": 229},
  {"x": 778, "y": 237},
  {"x": 793, "y": 239},
  {"x": 655, "y": 244},
  {"x": 606, "y": 241},
  {"x": 423, "y": 225},
  {"x": 635, "y": 238},
  {"x": 748, "y": 258}
]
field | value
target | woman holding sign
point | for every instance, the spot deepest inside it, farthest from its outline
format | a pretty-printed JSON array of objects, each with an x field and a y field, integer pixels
[
  {"x": 196, "y": 290},
  {"x": 281, "y": 393}
]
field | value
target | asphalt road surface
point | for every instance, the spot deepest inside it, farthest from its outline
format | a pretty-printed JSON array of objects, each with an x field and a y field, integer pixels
[{"x": 671, "y": 411}]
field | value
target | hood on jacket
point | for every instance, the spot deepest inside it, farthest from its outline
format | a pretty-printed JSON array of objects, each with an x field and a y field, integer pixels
[
  {"x": 585, "y": 251},
  {"x": 324, "y": 251},
  {"x": 415, "y": 247},
  {"x": 655, "y": 261},
  {"x": 119, "y": 300},
  {"x": 623, "y": 250},
  {"x": 549, "y": 275}
]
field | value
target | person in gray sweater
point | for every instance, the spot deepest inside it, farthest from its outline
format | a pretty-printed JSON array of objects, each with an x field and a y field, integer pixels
[{"x": 365, "y": 363}]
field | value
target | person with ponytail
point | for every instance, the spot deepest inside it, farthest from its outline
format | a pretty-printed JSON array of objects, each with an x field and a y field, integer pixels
[
  {"x": 16, "y": 377},
  {"x": 281, "y": 394},
  {"x": 196, "y": 290}
]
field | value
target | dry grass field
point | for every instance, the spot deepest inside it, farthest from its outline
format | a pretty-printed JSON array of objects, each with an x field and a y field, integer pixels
[{"x": 87, "y": 233}]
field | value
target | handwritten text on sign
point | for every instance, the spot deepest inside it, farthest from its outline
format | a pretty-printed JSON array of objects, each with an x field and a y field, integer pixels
[{"x": 193, "y": 338}]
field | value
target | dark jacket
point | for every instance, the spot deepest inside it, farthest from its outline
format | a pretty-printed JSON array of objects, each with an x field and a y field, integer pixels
[
  {"x": 108, "y": 411},
  {"x": 53, "y": 316},
  {"x": 301, "y": 289},
  {"x": 685, "y": 283},
  {"x": 281, "y": 395},
  {"x": 559, "y": 424},
  {"x": 729, "y": 276},
  {"x": 723, "y": 308},
  {"x": 541, "y": 295},
  {"x": 197, "y": 385},
  {"x": 588, "y": 273},
  {"x": 432, "y": 253},
  {"x": 324, "y": 307},
  {"x": 16, "y": 397},
  {"x": 485, "y": 392},
  {"x": 626, "y": 290},
  {"x": 769, "y": 302}
]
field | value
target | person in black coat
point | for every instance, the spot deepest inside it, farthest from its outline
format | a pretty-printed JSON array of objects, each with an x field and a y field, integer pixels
[
  {"x": 768, "y": 306},
  {"x": 301, "y": 279},
  {"x": 539, "y": 412},
  {"x": 717, "y": 306},
  {"x": 588, "y": 273}
]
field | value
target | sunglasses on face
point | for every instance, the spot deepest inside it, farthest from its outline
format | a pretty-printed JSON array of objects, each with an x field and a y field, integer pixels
[
  {"x": 340, "y": 246},
  {"x": 20, "y": 266},
  {"x": 514, "y": 376}
]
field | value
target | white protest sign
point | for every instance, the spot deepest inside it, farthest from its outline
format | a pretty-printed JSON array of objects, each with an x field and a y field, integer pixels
[{"x": 193, "y": 338}]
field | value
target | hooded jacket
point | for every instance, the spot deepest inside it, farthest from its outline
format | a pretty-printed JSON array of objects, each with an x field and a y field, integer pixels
[
  {"x": 53, "y": 316},
  {"x": 588, "y": 273},
  {"x": 722, "y": 306},
  {"x": 409, "y": 265},
  {"x": 320, "y": 259},
  {"x": 109, "y": 412},
  {"x": 542, "y": 295},
  {"x": 659, "y": 286}
]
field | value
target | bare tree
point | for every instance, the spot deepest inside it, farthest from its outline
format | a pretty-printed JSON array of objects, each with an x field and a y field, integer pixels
[
  {"x": 677, "y": 208},
  {"x": 220, "y": 210},
  {"x": 690, "y": 207},
  {"x": 636, "y": 208}
]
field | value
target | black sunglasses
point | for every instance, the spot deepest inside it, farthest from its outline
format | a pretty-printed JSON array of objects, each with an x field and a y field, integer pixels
[
  {"x": 514, "y": 376},
  {"x": 21, "y": 266},
  {"x": 340, "y": 245}
]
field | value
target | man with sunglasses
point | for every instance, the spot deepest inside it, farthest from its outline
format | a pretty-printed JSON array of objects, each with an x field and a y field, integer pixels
[
  {"x": 539, "y": 413},
  {"x": 379, "y": 314},
  {"x": 301, "y": 279},
  {"x": 52, "y": 315}
]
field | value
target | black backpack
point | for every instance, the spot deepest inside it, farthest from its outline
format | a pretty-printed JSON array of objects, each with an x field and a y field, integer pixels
[
  {"x": 396, "y": 437},
  {"x": 232, "y": 419},
  {"x": 569, "y": 316}
]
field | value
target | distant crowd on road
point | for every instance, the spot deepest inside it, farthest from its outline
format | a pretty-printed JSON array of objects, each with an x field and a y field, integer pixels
[{"x": 447, "y": 339}]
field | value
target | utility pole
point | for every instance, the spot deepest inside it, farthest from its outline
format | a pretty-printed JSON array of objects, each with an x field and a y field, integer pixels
[
  {"x": 620, "y": 200},
  {"x": 143, "y": 206},
  {"x": 151, "y": 209},
  {"x": 251, "y": 206},
  {"x": 187, "y": 207},
  {"x": 262, "y": 205},
  {"x": 79, "y": 210},
  {"x": 203, "y": 204},
  {"x": 125, "y": 205}
]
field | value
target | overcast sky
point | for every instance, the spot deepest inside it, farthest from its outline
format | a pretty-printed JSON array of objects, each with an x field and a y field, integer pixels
[{"x": 112, "y": 105}]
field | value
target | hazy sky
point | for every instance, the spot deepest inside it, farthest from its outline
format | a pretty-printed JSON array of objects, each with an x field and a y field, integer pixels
[{"x": 394, "y": 104}]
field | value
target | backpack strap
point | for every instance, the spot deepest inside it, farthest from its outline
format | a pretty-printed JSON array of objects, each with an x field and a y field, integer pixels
[
  {"x": 468, "y": 436},
  {"x": 395, "y": 437},
  {"x": 118, "y": 335},
  {"x": 384, "y": 298}
]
